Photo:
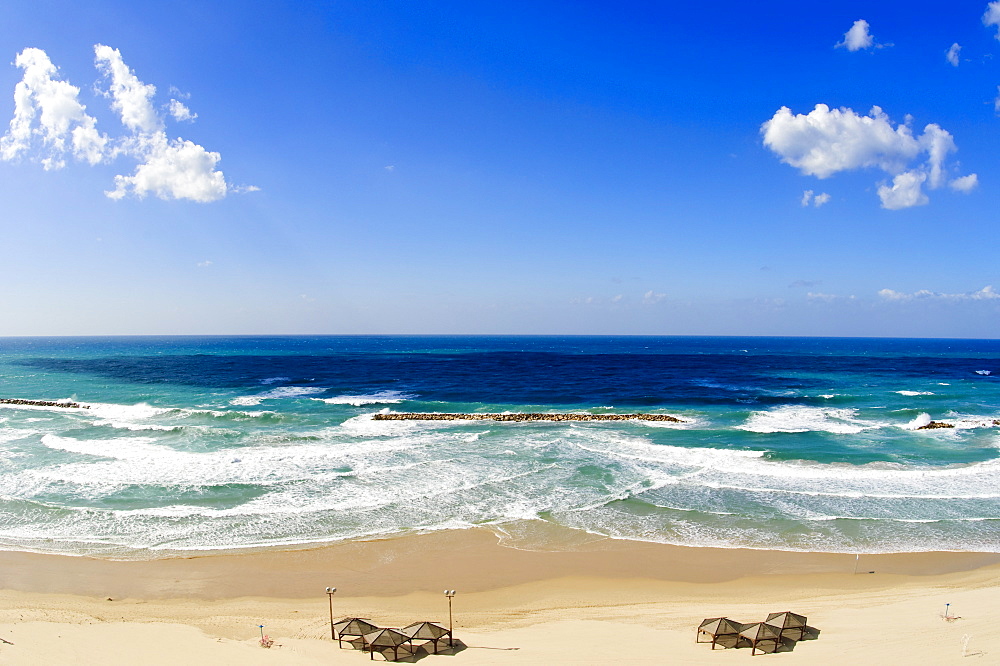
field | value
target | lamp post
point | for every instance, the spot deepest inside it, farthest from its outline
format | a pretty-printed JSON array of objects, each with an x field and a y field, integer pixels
[
  {"x": 329, "y": 593},
  {"x": 451, "y": 625}
]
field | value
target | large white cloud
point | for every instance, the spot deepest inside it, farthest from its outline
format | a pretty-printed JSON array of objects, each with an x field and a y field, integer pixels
[
  {"x": 169, "y": 169},
  {"x": 50, "y": 122},
  {"x": 827, "y": 141},
  {"x": 176, "y": 169},
  {"x": 63, "y": 124}
]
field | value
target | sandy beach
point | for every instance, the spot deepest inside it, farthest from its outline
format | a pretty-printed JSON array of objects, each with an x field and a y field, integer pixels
[{"x": 604, "y": 600}]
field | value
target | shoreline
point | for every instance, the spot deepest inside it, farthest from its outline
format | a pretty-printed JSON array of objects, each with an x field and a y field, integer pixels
[{"x": 446, "y": 559}]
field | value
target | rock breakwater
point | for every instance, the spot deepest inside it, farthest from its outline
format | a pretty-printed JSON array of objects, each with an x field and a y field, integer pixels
[
  {"x": 42, "y": 403},
  {"x": 934, "y": 425},
  {"x": 437, "y": 416}
]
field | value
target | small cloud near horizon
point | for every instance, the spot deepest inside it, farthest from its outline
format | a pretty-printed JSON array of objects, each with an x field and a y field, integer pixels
[{"x": 987, "y": 293}]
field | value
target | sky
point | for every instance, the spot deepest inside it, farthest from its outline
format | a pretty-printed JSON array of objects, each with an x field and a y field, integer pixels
[{"x": 367, "y": 167}]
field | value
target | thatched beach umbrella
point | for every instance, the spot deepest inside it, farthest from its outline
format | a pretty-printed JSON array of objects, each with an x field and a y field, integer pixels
[
  {"x": 352, "y": 626},
  {"x": 385, "y": 639},
  {"x": 792, "y": 625},
  {"x": 762, "y": 636},
  {"x": 721, "y": 630},
  {"x": 426, "y": 631}
]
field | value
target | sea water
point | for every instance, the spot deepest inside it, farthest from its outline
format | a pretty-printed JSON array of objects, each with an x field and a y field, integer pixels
[{"x": 200, "y": 443}]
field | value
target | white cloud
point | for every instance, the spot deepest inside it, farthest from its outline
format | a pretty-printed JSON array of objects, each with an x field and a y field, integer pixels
[
  {"x": 992, "y": 16},
  {"x": 951, "y": 55},
  {"x": 651, "y": 297},
  {"x": 996, "y": 102},
  {"x": 204, "y": 264},
  {"x": 617, "y": 298},
  {"x": 938, "y": 143},
  {"x": 965, "y": 184},
  {"x": 857, "y": 37},
  {"x": 816, "y": 200},
  {"x": 63, "y": 124},
  {"x": 174, "y": 169},
  {"x": 905, "y": 191},
  {"x": 987, "y": 293},
  {"x": 169, "y": 168},
  {"x": 48, "y": 112},
  {"x": 180, "y": 112},
  {"x": 820, "y": 296},
  {"x": 827, "y": 141},
  {"x": 132, "y": 98}
]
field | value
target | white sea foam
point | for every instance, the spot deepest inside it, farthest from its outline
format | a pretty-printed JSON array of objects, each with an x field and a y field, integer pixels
[
  {"x": 922, "y": 420},
  {"x": 984, "y": 372},
  {"x": 807, "y": 419},
  {"x": 379, "y": 398},
  {"x": 124, "y": 425},
  {"x": 914, "y": 393},
  {"x": 276, "y": 393}
]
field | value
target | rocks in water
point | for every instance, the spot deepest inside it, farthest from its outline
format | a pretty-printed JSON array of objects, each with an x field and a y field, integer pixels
[
  {"x": 42, "y": 403},
  {"x": 436, "y": 416},
  {"x": 937, "y": 424}
]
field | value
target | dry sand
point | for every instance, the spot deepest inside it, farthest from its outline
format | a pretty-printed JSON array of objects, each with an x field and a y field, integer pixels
[{"x": 603, "y": 601}]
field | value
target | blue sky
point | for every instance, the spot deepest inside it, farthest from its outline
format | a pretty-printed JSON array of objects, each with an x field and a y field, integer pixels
[{"x": 518, "y": 167}]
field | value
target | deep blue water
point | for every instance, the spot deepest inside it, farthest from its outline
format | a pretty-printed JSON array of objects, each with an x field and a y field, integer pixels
[{"x": 212, "y": 442}]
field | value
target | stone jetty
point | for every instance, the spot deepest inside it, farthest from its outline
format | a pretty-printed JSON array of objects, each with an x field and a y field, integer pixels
[
  {"x": 437, "y": 416},
  {"x": 42, "y": 403}
]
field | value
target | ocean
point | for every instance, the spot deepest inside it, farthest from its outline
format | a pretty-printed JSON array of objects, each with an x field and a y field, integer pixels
[{"x": 223, "y": 443}]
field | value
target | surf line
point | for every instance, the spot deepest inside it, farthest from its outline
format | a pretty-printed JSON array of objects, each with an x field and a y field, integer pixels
[
  {"x": 438, "y": 416},
  {"x": 42, "y": 403}
]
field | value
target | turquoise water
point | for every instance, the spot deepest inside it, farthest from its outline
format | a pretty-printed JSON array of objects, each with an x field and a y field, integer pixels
[{"x": 222, "y": 443}]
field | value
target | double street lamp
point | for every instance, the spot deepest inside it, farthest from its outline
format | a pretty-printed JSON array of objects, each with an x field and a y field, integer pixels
[{"x": 451, "y": 625}]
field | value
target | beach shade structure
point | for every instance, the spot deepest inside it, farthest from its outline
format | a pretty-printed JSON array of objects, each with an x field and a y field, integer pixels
[
  {"x": 354, "y": 627},
  {"x": 426, "y": 631},
  {"x": 384, "y": 640},
  {"x": 720, "y": 631},
  {"x": 792, "y": 625},
  {"x": 761, "y": 636}
]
